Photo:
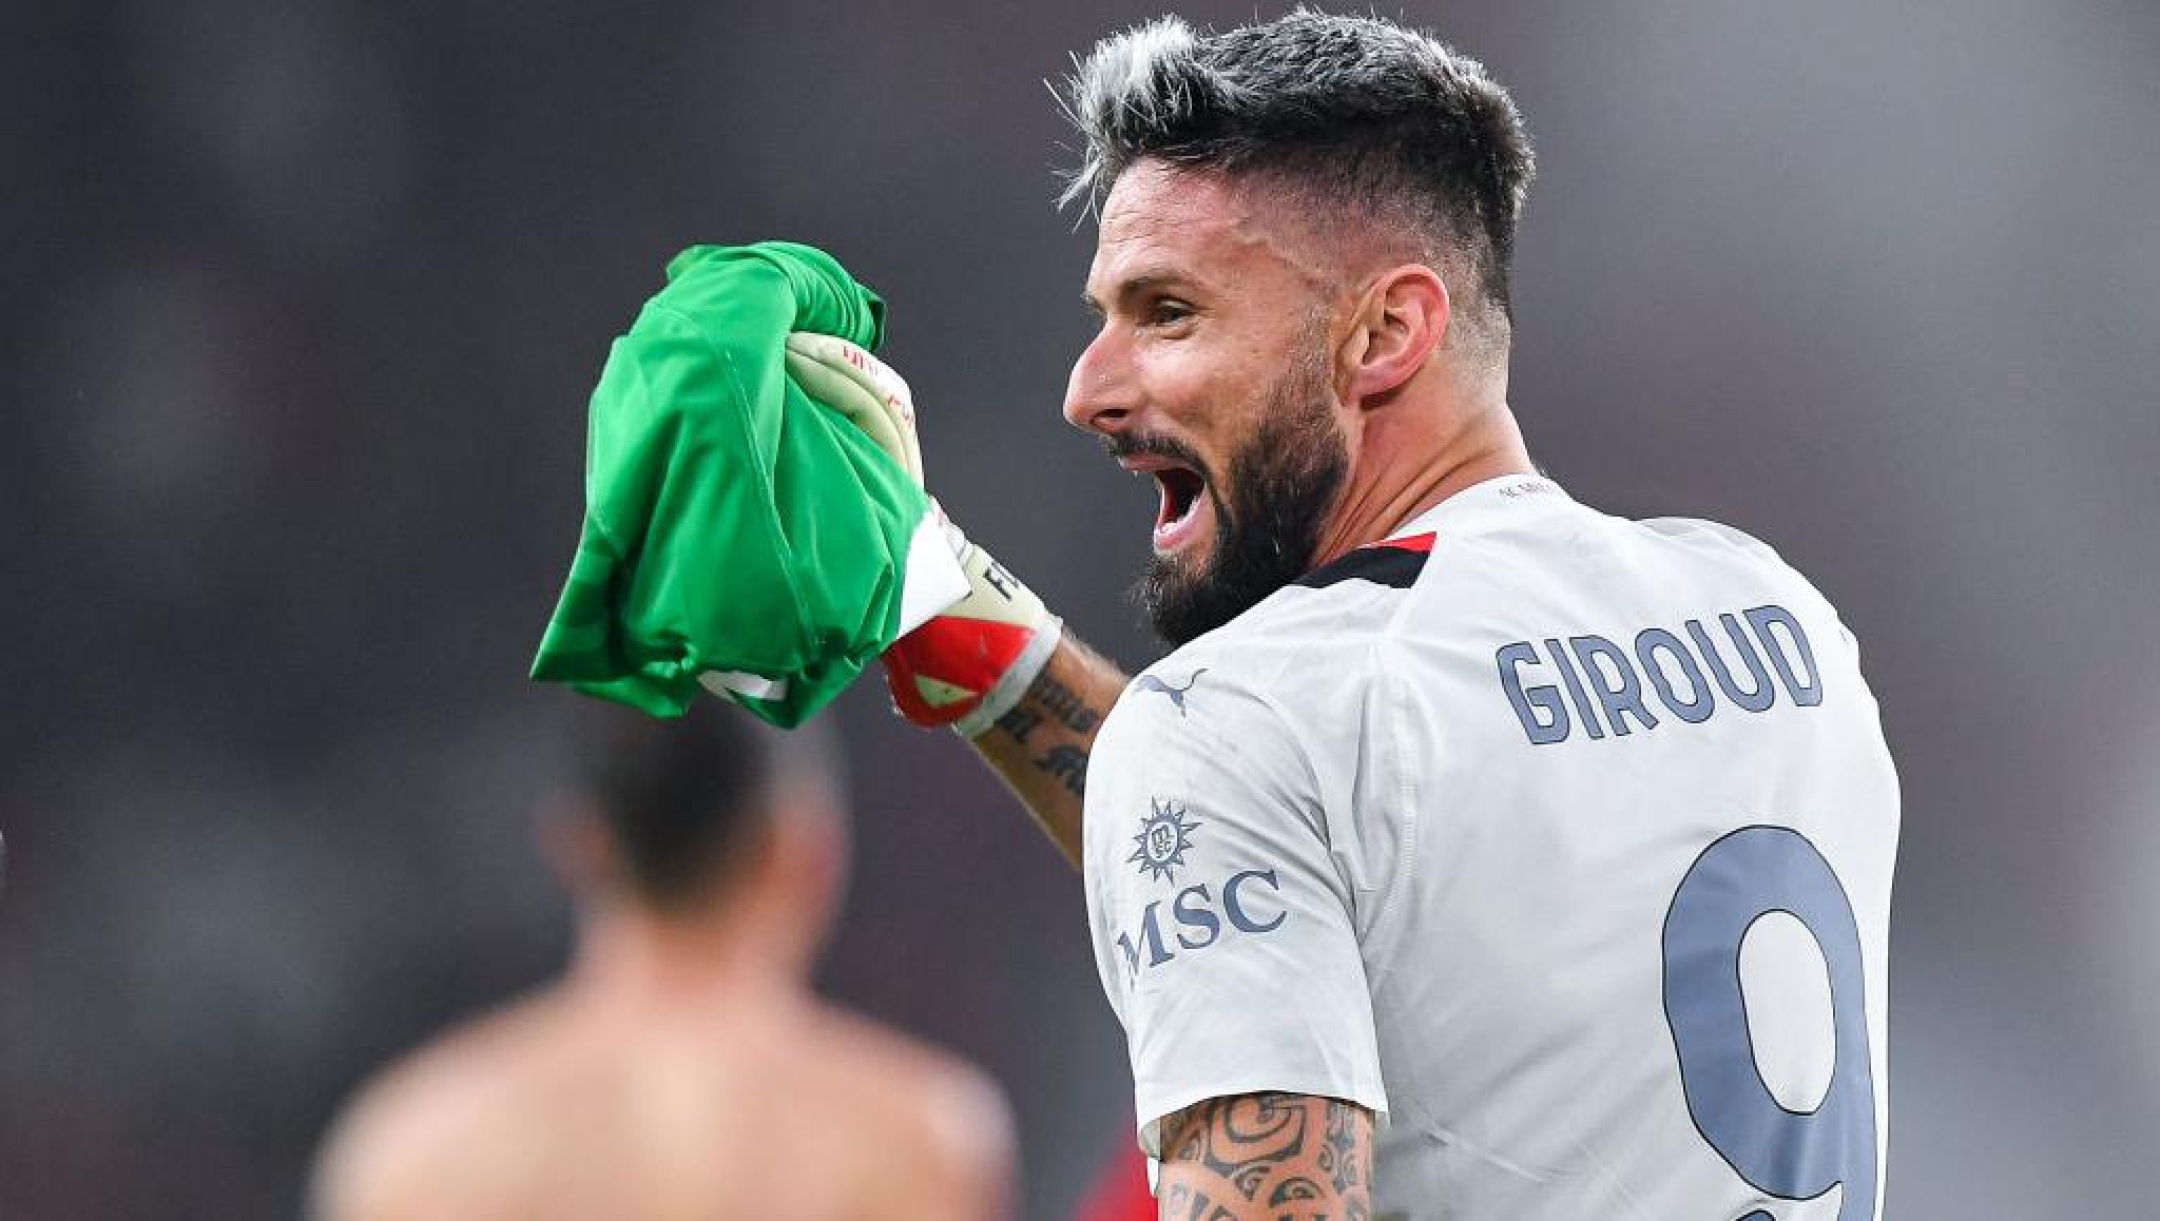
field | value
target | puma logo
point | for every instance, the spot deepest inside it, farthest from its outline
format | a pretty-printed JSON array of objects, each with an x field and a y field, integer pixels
[{"x": 1148, "y": 682}]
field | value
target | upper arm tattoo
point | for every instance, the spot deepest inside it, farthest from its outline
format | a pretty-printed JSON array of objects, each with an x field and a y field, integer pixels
[{"x": 1282, "y": 1157}]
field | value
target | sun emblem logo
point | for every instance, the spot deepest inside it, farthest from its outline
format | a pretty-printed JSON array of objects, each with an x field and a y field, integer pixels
[{"x": 1164, "y": 836}]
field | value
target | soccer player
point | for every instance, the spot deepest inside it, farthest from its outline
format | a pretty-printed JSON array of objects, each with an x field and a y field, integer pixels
[
  {"x": 682, "y": 1069},
  {"x": 1475, "y": 854}
]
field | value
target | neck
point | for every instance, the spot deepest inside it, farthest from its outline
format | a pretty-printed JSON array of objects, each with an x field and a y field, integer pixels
[
  {"x": 702, "y": 960},
  {"x": 1405, "y": 463}
]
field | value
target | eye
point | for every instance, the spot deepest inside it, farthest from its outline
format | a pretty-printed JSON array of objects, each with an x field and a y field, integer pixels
[{"x": 1167, "y": 311}]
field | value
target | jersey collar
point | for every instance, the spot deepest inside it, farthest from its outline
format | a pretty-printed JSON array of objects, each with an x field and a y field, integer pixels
[{"x": 1482, "y": 506}]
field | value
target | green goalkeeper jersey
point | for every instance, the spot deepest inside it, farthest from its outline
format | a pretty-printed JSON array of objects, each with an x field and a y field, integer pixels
[{"x": 738, "y": 535}]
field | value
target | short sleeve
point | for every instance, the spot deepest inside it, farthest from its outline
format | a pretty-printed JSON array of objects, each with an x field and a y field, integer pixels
[{"x": 1222, "y": 930}]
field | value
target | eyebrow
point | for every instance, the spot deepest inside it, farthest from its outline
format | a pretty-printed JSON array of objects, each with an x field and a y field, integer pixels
[{"x": 1135, "y": 285}]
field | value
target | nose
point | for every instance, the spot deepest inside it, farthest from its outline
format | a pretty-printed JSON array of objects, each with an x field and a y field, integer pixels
[{"x": 1098, "y": 395}]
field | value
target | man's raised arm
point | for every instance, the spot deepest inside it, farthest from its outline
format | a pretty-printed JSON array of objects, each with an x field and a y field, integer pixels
[
  {"x": 1042, "y": 744},
  {"x": 997, "y": 666}
]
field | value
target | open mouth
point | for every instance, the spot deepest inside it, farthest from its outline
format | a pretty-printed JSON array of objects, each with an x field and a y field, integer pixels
[
  {"x": 1184, "y": 508},
  {"x": 1184, "y": 505},
  {"x": 1181, "y": 492}
]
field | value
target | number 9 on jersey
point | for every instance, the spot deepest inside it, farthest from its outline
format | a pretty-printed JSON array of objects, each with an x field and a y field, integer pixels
[{"x": 1791, "y": 1155}]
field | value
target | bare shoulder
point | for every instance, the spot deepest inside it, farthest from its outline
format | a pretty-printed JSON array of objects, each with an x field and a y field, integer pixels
[
  {"x": 928, "y": 1108},
  {"x": 883, "y": 1068},
  {"x": 382, "y": 1156}
]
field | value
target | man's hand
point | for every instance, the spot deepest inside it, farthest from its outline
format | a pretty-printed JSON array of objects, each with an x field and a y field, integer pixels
[
  {"x": 973, "y": 663},
  {"x": 1281, "y": 1157}
]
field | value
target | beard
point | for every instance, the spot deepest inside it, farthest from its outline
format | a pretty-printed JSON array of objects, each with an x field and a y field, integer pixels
[{"x": 1281, "y": 484}]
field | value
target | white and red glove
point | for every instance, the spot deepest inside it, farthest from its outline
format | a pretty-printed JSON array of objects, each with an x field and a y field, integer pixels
[{"x": 966, "y": 666}]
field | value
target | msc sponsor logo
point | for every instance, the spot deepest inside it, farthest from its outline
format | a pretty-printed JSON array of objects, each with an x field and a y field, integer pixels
[
  {"x": 1165, "y": 836},
  {"x": 1684, "y": 673},
  {"x": 1200, "y": 916}
]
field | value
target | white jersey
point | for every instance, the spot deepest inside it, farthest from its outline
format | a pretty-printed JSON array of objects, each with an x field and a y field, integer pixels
[{"x": 1562, "y": 842}]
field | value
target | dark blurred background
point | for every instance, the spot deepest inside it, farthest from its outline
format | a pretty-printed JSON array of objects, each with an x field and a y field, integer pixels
[{"x": 302, "y": 300}]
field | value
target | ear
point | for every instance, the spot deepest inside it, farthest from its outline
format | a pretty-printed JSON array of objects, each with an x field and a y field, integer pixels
[
  {"x": 1401, "y": 320},
  {"x": 807, "y": 852},
  {"x": 808, "y": 840},
  {"x": 577, "y": 848}
]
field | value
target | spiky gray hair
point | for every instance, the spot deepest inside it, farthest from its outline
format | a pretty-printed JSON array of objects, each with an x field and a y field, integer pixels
[{"x": 1354, "y": 111}]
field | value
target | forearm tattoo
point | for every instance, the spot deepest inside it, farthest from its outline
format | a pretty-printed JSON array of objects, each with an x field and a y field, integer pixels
[
  {"x": 1285, "y": 1157},
  {"x": 1052, "y": 702},
  {"x": 1066, "y": 764}
]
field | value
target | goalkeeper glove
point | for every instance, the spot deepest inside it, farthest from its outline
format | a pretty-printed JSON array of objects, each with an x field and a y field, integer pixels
[{"x": 967, "y": 666}]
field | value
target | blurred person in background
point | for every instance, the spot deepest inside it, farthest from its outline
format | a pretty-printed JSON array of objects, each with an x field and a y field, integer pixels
[{"x": 682, "y": 1067}]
